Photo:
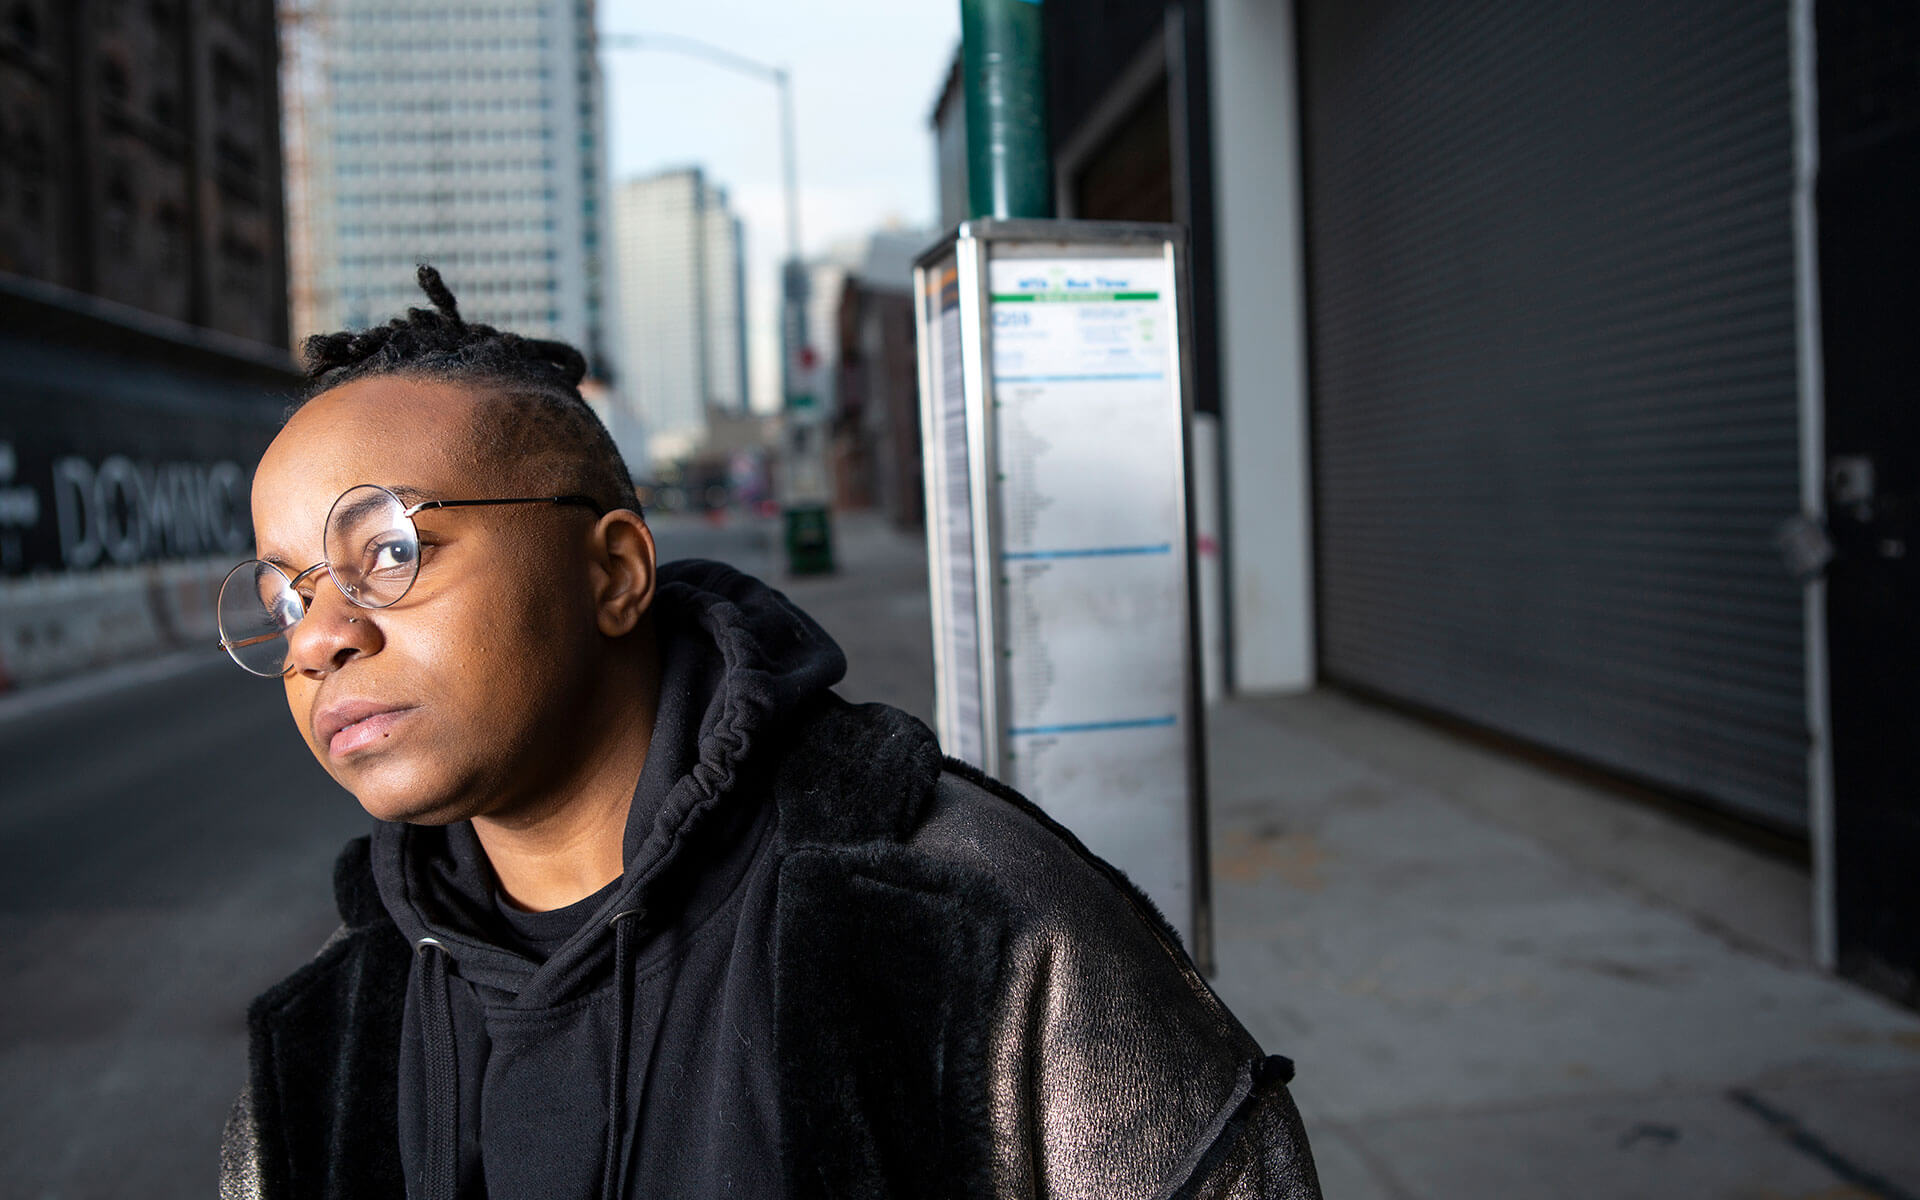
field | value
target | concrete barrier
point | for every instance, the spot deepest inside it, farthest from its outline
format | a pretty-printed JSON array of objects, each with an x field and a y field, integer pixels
[{"x": 58, "y": 624}]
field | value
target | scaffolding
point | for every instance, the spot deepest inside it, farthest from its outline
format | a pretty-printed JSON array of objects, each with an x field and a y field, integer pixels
[{"x": 305, "y": 38}]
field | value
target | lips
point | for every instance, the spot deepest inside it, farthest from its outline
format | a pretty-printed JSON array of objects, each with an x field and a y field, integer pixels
[{"x": 348, "y": 726}]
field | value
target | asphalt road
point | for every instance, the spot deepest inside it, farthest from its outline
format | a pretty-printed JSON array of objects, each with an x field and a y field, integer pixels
[{"x": 165, "y": 855}]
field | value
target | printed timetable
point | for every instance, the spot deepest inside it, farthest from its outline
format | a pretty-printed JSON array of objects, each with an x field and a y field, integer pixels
[
  {"x": 1086, "y": 417},
  {"x": 1054, "y": 422}
]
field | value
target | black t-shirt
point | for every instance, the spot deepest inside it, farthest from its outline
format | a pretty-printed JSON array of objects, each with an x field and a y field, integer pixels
[{"x": 538, "y": 934}]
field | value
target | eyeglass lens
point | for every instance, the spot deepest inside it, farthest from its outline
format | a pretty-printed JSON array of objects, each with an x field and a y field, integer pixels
[
  {"x": 373, "y": 555},
  {"x": 373, "y": 549},
  {"x": 257, "y": 606}
]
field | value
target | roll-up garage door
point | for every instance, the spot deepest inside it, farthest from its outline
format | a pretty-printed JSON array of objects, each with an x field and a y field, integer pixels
[{"x": 1555, "y": 416}]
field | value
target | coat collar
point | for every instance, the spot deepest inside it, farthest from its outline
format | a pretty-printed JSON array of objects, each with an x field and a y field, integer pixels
[{"x": 855, "y": 774}]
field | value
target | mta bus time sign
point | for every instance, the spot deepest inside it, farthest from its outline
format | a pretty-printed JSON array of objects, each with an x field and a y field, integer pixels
[{"x": 1054, "y": 395}]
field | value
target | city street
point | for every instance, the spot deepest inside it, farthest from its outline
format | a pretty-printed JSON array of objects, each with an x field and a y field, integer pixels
[
  {"x": 1495, "y": 981},
  {"x": 1424, "y": 490}
]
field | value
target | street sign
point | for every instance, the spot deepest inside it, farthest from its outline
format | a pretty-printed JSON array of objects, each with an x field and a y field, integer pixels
[{"x": 1054, "y": 412}]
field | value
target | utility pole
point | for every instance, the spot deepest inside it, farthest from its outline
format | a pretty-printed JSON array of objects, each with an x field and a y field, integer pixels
[{"x": 1004, "y": 77}]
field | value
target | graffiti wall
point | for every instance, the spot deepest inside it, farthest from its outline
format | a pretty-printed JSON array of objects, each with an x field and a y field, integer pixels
[{"x": 125, "y": 463}]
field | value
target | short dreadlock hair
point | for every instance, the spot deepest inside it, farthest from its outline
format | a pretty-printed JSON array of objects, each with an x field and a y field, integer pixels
[{"x": 538, "y": 421}]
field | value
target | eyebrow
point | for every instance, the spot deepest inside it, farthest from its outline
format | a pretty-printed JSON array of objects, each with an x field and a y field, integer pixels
[
  {"x": 365, "y": 504},
  {"x": 409, "y": 496}
]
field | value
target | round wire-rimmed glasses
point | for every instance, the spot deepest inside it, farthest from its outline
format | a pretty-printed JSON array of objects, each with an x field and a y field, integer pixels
[{"x": 372, "y": 552}]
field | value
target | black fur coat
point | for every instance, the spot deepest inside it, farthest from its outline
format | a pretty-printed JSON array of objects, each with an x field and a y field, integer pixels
[{"x": 967, "y": 1003}]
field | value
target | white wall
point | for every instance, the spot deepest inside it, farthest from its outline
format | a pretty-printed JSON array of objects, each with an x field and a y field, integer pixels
[{"x": 1256, "y": 155}]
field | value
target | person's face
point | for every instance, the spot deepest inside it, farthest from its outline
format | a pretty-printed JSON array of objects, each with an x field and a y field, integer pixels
[{"x": 467, "y": 696}]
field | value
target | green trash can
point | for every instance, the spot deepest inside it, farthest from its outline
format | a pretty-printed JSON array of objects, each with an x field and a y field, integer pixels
[{"x": 809, "y": 540}]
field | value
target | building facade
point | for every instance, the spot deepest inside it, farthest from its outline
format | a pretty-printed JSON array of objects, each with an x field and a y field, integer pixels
[
  {"x": 463, "y": 133},
  {"x": 1535, "y": 332},
  {"x": 876, "y": 390},
  {"x": 140, "y": 158},
  {"x": 679, "y": 251},
  {"x": 143, "y": 320}
]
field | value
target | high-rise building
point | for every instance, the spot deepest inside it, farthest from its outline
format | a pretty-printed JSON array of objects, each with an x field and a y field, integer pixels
[
  {"x": 140, "y": 158},
  {"x": 682, "y": 281},
  {"x": 465, "y": 133}
]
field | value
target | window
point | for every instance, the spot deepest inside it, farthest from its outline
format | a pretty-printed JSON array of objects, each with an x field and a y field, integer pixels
[
  {"x": 172, "y": 240},
  {"x": 23, "y": 22},
  {"x": 113, "y": 80},
  {"x": 118, "y": 214}
]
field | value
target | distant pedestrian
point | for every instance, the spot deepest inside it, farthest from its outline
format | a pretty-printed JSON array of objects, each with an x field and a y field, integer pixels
[{"x": 649, "y": 910}]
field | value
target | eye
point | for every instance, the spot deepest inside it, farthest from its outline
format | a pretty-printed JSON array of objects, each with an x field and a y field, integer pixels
[
  {"x": 398, "y": 554},
  {"x": 285, "y": 609},
  {"x": 279, "y": 604}
]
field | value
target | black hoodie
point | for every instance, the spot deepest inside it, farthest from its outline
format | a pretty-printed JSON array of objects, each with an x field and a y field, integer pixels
[{"x": 648, "y": 1006}]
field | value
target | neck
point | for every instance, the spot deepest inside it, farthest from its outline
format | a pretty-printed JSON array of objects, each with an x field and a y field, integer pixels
[{"x": 570, "y": 845}]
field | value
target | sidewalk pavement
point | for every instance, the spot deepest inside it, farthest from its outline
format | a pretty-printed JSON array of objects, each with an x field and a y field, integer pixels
[
  {"x": 1495, "y": 982},
  {"x": 1499, "y": 983}
]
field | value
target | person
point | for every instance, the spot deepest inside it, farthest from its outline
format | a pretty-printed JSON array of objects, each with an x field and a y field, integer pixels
[{"x": 648, "y": 909}]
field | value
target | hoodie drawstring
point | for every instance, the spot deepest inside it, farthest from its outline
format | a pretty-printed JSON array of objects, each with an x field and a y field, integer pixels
[
  {"x": 626, "y": 932},
  {"x": 441, "y": 1181}
]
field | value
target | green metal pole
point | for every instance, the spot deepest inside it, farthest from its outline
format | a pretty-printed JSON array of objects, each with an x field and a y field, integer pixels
[{"x": 1004, "y": 68}]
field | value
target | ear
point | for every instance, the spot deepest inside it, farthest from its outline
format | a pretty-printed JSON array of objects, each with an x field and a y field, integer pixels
[{"x": 623, "y": 574}]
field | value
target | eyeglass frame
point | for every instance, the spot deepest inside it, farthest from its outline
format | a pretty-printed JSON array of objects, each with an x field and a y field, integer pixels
[{"x": 407, "y": 511}]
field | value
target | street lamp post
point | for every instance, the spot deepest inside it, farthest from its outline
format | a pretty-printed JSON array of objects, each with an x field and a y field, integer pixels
[
  {"x": 671, "y": 43},
  {"x": 809, "y": 547}
]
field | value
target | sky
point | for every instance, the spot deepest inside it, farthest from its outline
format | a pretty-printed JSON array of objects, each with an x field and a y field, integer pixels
[{"x": 865, "y": 74}]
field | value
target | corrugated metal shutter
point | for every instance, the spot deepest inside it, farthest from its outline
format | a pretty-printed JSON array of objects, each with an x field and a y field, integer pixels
[{"x": 1553, "y": 361}]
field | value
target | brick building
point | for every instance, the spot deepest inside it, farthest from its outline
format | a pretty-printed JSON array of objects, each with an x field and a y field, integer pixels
[{"x": 140, "y": 157}]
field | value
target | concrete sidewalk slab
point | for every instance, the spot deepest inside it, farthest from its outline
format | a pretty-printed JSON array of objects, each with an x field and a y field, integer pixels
[
  {"x": 1523, "y": 990},
  {"x": 1675, "y": 1144}
]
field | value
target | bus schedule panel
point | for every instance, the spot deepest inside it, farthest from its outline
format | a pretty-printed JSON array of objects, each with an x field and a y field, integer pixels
[{"x": 1057, "y": 480}]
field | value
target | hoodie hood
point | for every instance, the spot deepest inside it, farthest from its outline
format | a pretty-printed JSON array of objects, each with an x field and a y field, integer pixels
[{"x": 738, "y": 663}]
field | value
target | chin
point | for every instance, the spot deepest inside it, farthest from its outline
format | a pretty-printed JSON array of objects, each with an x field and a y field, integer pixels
[
  {"x": 406, "y": 810},
  {"x": 389, "y": 792}
]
